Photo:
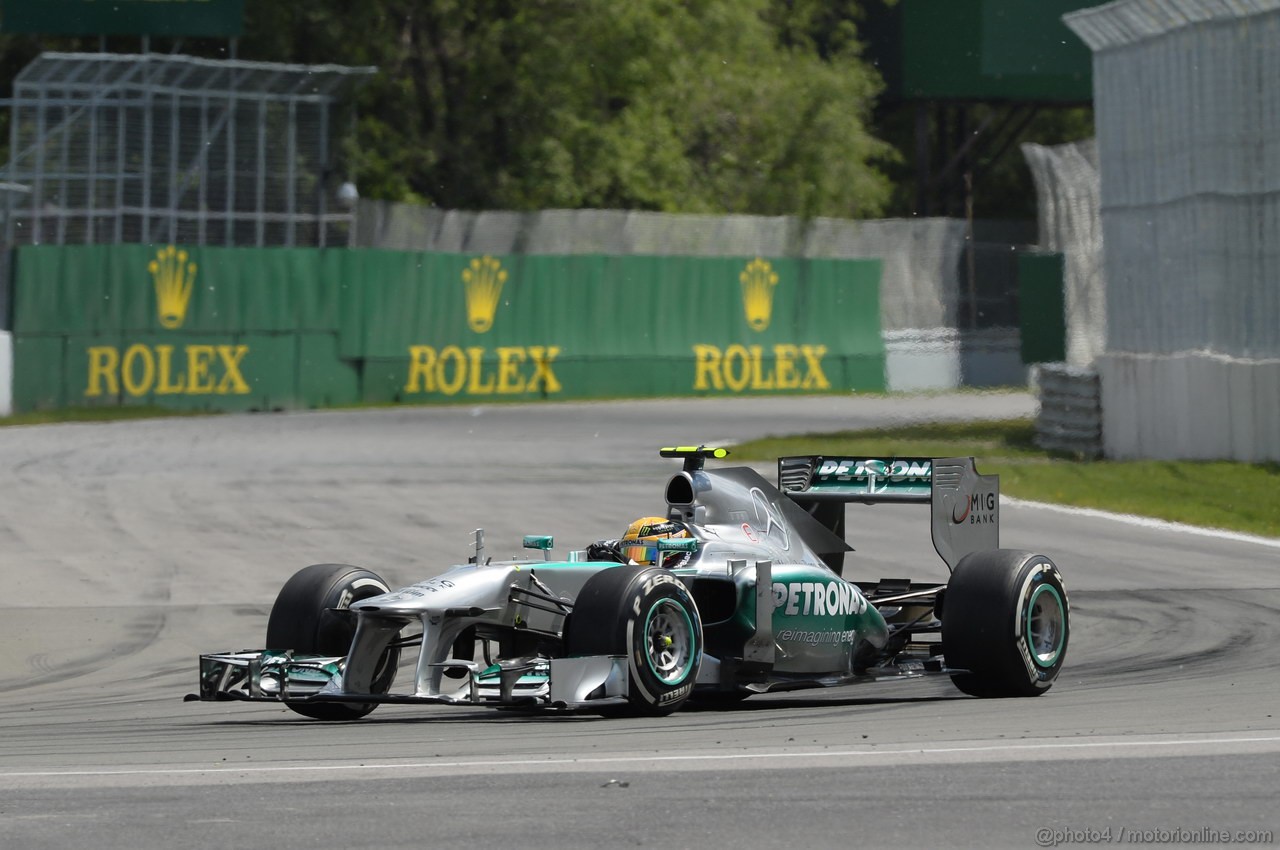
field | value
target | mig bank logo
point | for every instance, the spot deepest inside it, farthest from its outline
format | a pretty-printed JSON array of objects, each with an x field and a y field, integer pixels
[
  {"x": 975, "y": 509},
  {"x": 483, "y": 280},
  {"x": 174, "y": 278},
  {"x": 758, "y": 281}
]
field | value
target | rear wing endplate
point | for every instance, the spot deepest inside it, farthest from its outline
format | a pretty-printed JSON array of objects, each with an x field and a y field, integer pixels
[{"x": 964, "y": 505}]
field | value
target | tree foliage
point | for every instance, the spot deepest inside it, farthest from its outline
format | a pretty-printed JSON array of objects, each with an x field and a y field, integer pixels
[
  {"x": 715, "y": 106},
  {"x": 747, "y": 106}
]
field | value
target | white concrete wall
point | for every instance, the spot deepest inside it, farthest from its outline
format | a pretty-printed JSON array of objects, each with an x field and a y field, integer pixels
[
  {"x": 1190, "y": 405},
  {"x": 944, "y": 359},
  {"x": 1187, "y": 110},
  {"x": 922, "y": 359},
  {"x": 6, "y": 373}
]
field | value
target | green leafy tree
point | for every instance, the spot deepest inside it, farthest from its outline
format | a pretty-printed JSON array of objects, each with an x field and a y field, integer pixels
[{"x": 702, "y": 106}]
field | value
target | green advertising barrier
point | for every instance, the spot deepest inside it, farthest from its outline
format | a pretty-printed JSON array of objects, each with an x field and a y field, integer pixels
[
  {"x": 186, "y": 328},
  {"x": 146, "y": 288},
  {"x": 237, "y": 329},
  {"x": 599, "y": 326}
]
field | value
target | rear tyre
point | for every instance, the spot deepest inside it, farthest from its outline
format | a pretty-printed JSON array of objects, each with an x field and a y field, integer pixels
[
  {"x": 1006, "y": 621},
  {"x": 648, "y": 616},
  {"x": 302, "y": 619}
]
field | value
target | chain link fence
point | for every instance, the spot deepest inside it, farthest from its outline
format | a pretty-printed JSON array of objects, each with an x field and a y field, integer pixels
[{"x": 164, "y": 148}]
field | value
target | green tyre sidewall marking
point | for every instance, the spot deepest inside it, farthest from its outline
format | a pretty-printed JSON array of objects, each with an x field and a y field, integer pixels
[
  {"x": 995, "y": 590},
  {"x": 689, "y": 650},
  {"x": 1061, "y": 617},
  {"x": 611, "y": 617}
]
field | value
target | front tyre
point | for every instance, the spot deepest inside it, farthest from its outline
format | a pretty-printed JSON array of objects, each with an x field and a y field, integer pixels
[
  {"x": 1006, "y": 621},
  {"x": 648, "y": 616},
  {"x": 303, "y": 620}
]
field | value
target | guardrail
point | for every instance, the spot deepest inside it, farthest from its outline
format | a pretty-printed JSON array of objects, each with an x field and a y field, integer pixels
[{"x": 1070, "y": 418}]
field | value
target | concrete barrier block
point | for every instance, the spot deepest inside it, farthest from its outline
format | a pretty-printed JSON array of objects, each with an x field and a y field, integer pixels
[
  {"x": 1207, "y": 403},
  {"x": 1110, "y": 379},
  {"x": 1191, "y": 405},
  {"x": 1240, "y": 406},
  {"x": 6, "y": 373},
  {"x": 922, "y": 359},
  {"x": 1160, "y": 386},
  {"x": 1117, "y": 380},
  {"x": 1266, "y": 409}
]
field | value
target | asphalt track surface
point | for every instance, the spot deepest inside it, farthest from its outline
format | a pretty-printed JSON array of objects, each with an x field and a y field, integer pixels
[{"x": 126, "y": 549}]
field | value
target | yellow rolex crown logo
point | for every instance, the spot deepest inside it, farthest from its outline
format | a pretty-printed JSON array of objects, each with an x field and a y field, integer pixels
[
  {"x": 174, "y": 278},
  {"x": 483, "y": 280},
  {"x": 758, "y": 280}
]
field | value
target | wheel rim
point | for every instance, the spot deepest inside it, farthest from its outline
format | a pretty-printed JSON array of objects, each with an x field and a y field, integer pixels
[
  {"x": 1046, "y": 625},
  {"x": 668, "y": 635}
]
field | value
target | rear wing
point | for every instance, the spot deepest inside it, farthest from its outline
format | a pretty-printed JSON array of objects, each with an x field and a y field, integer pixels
[
  {"x": 867, "y": 480},
  {"x": 965, "y": 506}
]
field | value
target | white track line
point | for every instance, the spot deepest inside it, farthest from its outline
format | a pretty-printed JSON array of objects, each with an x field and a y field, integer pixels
[
  {"x": 625, "y": 760},
  {"x": 1145, "y": 522}
]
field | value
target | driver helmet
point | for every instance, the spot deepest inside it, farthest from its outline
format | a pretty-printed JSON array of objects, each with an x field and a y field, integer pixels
[{"x": 640, "y": 543}]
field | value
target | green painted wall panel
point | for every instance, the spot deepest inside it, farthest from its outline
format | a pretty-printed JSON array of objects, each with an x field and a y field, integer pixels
[
  {"x": 73, "y": 290},
  {"x": 38, "y": 373},
  {"x": 1042, "y": 307},
  {"x": 145, "y": 288},
  {"x": 324, "y": 378},
  {"x": 616, "y": 305},
  {"x": 271, "y": 372}
]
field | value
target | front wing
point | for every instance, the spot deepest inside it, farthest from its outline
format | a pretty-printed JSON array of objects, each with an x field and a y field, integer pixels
[{"x": 266, "y": 676}]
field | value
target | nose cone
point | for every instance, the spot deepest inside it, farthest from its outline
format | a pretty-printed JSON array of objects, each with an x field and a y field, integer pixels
[{"x": 462, "y": 587}]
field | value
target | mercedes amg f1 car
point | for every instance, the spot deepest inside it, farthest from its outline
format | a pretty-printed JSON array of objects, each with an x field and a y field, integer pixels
[{"x": 756, "y": 603}]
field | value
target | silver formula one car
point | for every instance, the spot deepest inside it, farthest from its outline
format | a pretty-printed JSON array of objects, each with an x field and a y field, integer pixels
[{"x": 754, "y": 603}]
